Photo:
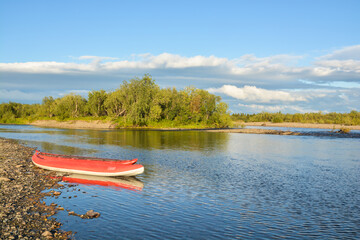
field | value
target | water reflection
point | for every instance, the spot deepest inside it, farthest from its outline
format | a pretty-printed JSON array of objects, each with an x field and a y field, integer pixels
[
  {"x": 148, "y": 139},
  {"x": 68, "y": 141},
  {"x": 59, "y": 149},
  {"x": 213, "y": 185},
  {"x": 130, "y": 183}
]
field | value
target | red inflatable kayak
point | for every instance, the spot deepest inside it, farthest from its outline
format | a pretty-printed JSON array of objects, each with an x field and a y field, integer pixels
[{"x": 87, "y": 165}]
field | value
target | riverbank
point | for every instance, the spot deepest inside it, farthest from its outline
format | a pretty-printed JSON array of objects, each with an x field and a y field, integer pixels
[
  {"x": 98, "y": 124},
  {"x": 23, "y": 214},
  {"x": 299, "y": 125},
  {"x": 333, "y": 133},
  {"x": 336, "y": 128},
  {"x": 75, "y": 124}
]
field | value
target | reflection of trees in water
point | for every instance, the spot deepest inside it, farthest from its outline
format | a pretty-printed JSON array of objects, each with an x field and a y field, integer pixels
[
  {"x": 148, "y": 139},
  {"x": 55, "y": 148}
]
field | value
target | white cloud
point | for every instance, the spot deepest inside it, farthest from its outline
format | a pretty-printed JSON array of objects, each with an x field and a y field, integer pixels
[
  {"x": 274, "y": 108},
  {"x": 254, "y": 94},
  {"x": 146, "y": 61},
  {"x": 326, "y": 67},
  {"x": 45, "y": 67},
  {"x": 255, "y": 76},
  {"x": 346, "y": 53},
  {"x": 248, "y": 69}
]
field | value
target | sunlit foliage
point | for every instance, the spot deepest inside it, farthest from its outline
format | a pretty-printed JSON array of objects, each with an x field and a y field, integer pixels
[{"x": 138, "y": 102}]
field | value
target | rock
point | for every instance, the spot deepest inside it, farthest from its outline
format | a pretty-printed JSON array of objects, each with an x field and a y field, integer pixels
[
  {"x": 92, "y": 214},
  {"x": 5, "y": 179},
  {"x": 46, "y": 234},
  {"x": 56, "y": 193}
]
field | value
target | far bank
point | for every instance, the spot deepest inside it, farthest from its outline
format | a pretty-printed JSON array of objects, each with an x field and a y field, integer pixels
[
  {"x": 300, "y": 125},
  {"x": 98, "y": 124}
]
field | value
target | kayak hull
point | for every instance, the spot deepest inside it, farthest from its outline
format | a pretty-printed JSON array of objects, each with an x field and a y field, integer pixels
[
  {"x": 71, "y": 157},
  {"x": 89, "y": 166}
]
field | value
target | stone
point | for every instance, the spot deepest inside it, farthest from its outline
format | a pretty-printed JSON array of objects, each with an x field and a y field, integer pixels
[
  {"x": 92, "y": 214},
  {"x": 56, "y": 193},
  {"x": 5, "y": 179},
  {"x": 46, "y": 234}
]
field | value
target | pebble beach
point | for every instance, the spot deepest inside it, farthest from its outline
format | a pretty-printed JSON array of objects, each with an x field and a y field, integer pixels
[{"x": 23, "y": 213}]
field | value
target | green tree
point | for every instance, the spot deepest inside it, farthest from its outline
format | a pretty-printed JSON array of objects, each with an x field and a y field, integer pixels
[
  {"x": 115, "y": 103},
  {"x": 140, "y": 95},
  {"x": 70, "y": 105},
  {"x": 48, "y": 106},
  {"x": 96, "y": 103}
]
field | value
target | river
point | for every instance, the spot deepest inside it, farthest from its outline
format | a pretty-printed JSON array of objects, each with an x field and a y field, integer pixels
[{"x": 202, "y": 185}]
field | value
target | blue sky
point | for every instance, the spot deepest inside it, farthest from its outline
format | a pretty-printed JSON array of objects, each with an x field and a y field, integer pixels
[{"x": 289, "y": 56}]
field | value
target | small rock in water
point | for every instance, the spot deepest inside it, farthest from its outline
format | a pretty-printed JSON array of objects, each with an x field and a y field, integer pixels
[
  {"x": 92, "y": 214},
  {"x": 56, "y": 193}
]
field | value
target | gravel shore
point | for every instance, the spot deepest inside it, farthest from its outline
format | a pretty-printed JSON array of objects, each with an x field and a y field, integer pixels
[{"x": 23, "y": 213}]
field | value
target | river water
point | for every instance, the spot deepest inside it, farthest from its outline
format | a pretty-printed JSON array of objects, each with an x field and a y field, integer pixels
[{"x": 200, "y": 185}]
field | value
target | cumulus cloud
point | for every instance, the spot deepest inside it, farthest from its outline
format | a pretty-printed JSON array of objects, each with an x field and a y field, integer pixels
[
  {"x": 254, "y": 94},
  {"x": 46, "y": 67},
  {"x": 346, "y": 53},
  {"x": 274, "y": 108},
  {"x": 277, "y": 80},
  {"x": 341, "y": 65},
  {"x": 146, "y": 61}
]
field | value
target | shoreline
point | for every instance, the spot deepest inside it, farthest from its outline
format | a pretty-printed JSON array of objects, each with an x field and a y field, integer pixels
[
  {"x": 301, "y": 125},
  {"x": 335, "y": 128},
  {"x": 74, "y": 124},
  {"x": 97, "y": 124},
  {"x": 336, "y": 134},
  {"x": 23, "y": 213}
]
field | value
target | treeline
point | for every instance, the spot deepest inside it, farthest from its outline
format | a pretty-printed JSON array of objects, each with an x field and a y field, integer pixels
[
  {"x": 352, "y": 118},
  {"x": 139, "y": 102}
]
